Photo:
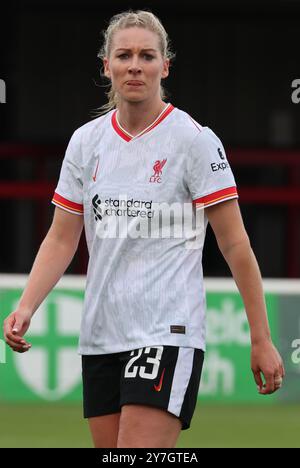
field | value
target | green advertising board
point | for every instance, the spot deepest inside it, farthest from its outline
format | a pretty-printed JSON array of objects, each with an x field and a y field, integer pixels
[
  {"x": 51, "y": 370},
  {"x": 227, "y": 374}
]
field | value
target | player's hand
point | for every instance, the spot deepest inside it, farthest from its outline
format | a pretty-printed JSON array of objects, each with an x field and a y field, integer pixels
[
  {"x": 266, "y": 360},
  {"x": 14, "y": 327}
]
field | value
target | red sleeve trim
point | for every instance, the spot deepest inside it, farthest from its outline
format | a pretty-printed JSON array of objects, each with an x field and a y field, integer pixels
[
  {"x": 68, "y": 204},
  {"x": 216, "y": 197}
]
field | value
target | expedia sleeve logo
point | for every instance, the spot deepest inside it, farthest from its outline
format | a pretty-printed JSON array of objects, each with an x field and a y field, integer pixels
[
  {"x": 221, "y": 153},
  {"x": 220, "y": 166}
]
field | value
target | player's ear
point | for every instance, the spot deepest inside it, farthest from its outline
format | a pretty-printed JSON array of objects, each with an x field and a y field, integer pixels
[
  {"x": 106, "y": 67},
  {"x": 165, "y": 71}
]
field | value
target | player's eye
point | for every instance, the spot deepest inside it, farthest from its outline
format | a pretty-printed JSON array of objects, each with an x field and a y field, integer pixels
[
  {"x": 125, "y": 56},
  {"x": 148, "y": 57}
]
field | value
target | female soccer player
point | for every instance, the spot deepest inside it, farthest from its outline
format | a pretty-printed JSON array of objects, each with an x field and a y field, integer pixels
[{"x": 142, "y": 336}]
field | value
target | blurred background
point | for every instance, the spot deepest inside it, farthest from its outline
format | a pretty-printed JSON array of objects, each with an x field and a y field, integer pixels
[{"x": 234, "y": 69}]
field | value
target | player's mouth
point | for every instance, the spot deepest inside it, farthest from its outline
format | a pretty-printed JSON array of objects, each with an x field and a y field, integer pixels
[{"x": 134, "y": 83}]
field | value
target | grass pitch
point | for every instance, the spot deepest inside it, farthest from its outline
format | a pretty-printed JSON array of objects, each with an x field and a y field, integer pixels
[{"x": 57, "y": 425}]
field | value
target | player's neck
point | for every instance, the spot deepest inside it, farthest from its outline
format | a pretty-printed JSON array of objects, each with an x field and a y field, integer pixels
[{"x": 135, "y": 117}]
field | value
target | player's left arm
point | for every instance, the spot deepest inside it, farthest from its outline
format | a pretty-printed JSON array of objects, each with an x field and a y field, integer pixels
[{"x": 227, "y": 223}]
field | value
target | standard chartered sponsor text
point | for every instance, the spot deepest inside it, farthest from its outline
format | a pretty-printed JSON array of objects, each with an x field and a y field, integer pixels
[{"x": 122, "y": 217}]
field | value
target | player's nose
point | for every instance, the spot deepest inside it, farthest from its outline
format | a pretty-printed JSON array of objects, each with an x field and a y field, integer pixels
[{"x": 134, "y": 66}]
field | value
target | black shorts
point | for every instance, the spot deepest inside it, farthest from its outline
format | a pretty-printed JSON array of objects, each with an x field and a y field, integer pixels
[{"x": 166, "y": 377}]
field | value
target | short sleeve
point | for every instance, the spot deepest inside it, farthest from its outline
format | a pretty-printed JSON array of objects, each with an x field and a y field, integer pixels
[
  {"x": 69, "y": 191},
  {"x": 209, "y": 176}
]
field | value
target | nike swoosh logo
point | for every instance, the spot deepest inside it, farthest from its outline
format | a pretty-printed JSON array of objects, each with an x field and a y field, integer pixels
[
  {"x": 158, "y": 387},
  {"x": 94, "y": 176}
]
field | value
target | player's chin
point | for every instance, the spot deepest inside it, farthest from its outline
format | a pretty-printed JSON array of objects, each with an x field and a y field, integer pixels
[
  {"x": 135, "y": 98},
  {"x": 135, "y": 95}
]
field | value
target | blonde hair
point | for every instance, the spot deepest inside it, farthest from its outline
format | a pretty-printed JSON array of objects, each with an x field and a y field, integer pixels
[{"x": 127, "y": 19}]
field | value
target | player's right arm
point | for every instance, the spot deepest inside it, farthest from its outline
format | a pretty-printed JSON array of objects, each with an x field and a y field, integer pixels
[{"x": 53, "y": 258}]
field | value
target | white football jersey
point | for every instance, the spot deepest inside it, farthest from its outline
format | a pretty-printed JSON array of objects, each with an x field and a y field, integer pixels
[{"x": 144, "y": 283}]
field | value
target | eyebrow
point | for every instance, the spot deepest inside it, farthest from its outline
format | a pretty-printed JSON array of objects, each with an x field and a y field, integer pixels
[{"x": 143, "y": 50}]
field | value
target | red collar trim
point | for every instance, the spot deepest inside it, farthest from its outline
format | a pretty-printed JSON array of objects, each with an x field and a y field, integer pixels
[{"x": 126, "y": 136}]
